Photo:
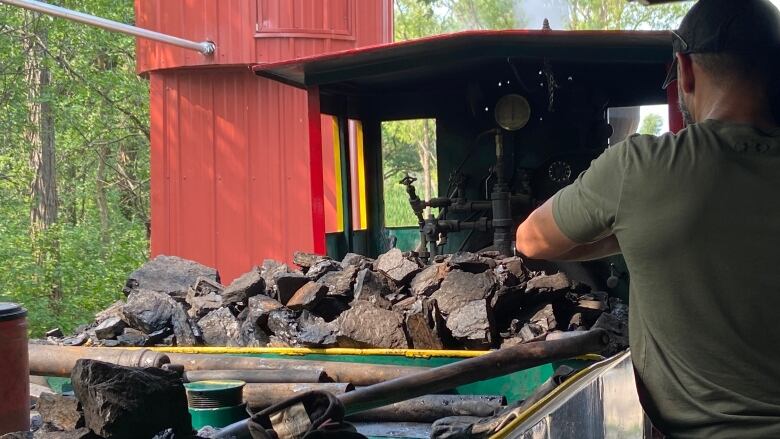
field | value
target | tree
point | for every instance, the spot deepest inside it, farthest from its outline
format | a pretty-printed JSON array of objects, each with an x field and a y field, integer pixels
[
  {"x": 74, "y": 163},
  {"x": 652, "y": 124}
]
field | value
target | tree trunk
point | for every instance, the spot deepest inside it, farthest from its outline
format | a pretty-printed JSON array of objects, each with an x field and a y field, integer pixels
[
  {"x": 40, "y": 137},
  {"x": 102, "y": 202}
]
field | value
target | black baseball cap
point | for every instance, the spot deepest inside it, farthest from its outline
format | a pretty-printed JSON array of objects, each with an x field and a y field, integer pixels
[{"x": 713, "y": 26}]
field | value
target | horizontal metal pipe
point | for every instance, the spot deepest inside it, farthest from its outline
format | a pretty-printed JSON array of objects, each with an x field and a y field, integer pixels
[
  {"x": 260, "y": 396},
  {"x": 259, "y": 376},
  {"x": 51, "y": 360},
  {"x": 494, "y": 364},
  {"x": 204, "y": 47},
  {"x": 358, "y": 374},
  {"x": 429, "y": 408}
]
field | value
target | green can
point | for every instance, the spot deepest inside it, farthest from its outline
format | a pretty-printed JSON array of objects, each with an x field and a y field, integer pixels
[{"x": 216, "y": 403}]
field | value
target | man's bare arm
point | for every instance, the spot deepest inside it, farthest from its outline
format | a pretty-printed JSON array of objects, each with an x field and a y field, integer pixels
[
  {"x": 600, "y": 249},
  {"x": 539, "y": 237}
]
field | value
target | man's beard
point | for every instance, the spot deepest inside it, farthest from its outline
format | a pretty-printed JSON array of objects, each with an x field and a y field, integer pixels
[{"x": 686, "y": 113}]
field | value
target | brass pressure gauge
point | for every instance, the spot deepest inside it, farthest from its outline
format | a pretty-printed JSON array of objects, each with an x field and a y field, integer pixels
[{"x": 512, "y": 112}]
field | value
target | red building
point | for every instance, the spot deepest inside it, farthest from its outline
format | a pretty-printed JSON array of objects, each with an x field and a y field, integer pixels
[{"x": 234, "y": 176}]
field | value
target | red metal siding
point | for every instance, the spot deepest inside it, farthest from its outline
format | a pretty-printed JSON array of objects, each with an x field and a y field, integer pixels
[
  {"x": 250, "y": 31},
  {"x": 230, "y": 173},
  {"x": 233, "y": 180}
]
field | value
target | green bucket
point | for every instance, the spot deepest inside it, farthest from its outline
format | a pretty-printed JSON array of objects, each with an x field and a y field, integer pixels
[{"x": 216, "y": 403}]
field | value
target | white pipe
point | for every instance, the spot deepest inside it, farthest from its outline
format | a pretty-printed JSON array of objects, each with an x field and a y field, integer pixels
[{"x": 205, "y": 47}]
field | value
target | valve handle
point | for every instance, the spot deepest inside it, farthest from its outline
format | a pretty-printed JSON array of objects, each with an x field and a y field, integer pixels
[{"x": 408, "y": 180}]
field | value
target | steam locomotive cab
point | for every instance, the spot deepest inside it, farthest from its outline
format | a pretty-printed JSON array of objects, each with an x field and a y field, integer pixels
[{"x": 519, "y": 115}]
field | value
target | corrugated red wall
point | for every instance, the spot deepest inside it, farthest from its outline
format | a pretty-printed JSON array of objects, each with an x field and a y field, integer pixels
[{"x": 231, "y": 183}]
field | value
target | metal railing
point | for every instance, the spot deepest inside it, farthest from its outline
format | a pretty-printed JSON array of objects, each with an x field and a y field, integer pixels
[{"x": 204, "y": 47}]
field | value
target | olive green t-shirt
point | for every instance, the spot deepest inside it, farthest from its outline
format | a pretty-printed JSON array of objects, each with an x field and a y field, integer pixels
[{"x": 697, "y": 216}]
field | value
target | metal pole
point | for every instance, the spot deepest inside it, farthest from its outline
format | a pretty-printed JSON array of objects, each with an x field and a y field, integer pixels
[{"x": 205, "y": 47}]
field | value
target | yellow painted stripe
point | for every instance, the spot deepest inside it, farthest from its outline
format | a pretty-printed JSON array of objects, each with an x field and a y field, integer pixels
[
  {"x": 538, "y": 405},
  {"x": 409, "y": 353},
  {"x": 339, "y": 184},
  {"x": 361, "y": 175}
]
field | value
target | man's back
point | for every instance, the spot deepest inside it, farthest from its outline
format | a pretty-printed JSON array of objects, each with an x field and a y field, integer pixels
[{"x": 697, "y": 217}]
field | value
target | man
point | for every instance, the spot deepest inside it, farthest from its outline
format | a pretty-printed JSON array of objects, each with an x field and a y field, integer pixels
[{"x": 697, "y": 218}]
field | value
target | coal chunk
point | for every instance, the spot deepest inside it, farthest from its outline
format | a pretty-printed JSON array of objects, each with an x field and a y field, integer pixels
[
  {"x": 290, "y": 328},
  {"x": 313, "y": 331},
  {"x": 374, "y": 288},
  {"x": 75, "y": 340},
  {"x": 133, "y": 338},
  {"x": 307, "y": 296},
  {"x": 549, "y": 283},
  {"x": 365, "y": 326},
  {"x": 60, "y": 412},
  {"x": 396, "y": 266},
  {"x": 287, "y": 284},
  {"x": 322, "y": 267},
  {"x": 464, "y": 299},
  {"x": 129, "y": 403},
  {"x": 245, "y": 286},
  {"x": 516, "y": 269},
  {"x": 307, "y": 260},
  {"x": 618, "y": 332},
  {"x": 185, "y": 330},
  {"x": 339, "y": 283},
  {"x": 255, "y": 318},
  {"x": 203, "y": 297},
  {"x": 428, "y": 281},
  {"x": 269, "y": 271},
  {"x": 149, "y": 311},
  {"x": 283, "y": 324},
  {"x": 460, "y": 287},
  {"x": 423, "y": 323},
  {"x": 220, "y": 328},
  {"x": 170, "y": 275},
  {"x": 114, "y": 310},
  {"x": 110, "y": 328},
  {"x": 355, "y": 260}
]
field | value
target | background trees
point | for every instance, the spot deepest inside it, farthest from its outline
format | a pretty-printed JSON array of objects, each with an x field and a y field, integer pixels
[{"x": 74, "y": 153}]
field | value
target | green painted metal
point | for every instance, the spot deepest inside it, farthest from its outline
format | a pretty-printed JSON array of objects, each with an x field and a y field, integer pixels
[
  {"x": 214, "y": 386},
  {"x": 407, "y": 238},
  {"x": 203, "y": 396},
  {"x": 219, "y": 417}
]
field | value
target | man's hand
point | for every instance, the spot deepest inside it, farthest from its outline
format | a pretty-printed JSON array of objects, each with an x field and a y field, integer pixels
[{"x": 539, "y": 237}]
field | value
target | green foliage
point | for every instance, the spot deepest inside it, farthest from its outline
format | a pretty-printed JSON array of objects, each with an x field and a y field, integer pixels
[
  {"x": 408, "y": 147},
  {"x": 101, "y": 115},
  {"x": 651, "y": 124},
  {"x": 398, "y": 213},
  {"x": 90, "y": 281}
]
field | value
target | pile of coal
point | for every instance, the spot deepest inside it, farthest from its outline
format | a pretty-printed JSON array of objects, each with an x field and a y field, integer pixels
[{"x": 463, "y": 300}]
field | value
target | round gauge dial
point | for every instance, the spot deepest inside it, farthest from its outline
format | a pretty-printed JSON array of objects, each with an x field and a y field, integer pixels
[
  {"x": 512, "y": 112},
  {"x": 559, "y": 172}
]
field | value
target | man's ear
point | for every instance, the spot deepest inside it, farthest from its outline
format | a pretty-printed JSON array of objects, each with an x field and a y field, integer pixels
[{"x": 685, "y": 73}]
